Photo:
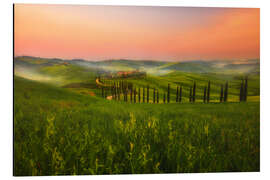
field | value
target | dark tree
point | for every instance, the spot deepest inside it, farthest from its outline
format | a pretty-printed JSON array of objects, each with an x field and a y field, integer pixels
[
  {"x": 194, "y": 92},
  {"x": 241, "y": 91},
  {"x": 112, "y": 91},
  {"x": 114, "y": 84},
  {"x": 190, "y": 94},
  {"x": 157, "y": 97},
  {"x": 180, "y": 94},
  {"x": 176, "y": 99},
  {"x": 116, "y": 94},
  {"x": 208, "y": 92},
  {"x": 168, "y": 95},
  {"x": 147, "y": 93},
  {"x": 131, "y": 91},
  {"x": 154, "y": 95},
  {"x": 246, "y": 89},
  {"x": 139, "y": 95},
  {"x": 221, "y": 93},
  {"x": 124, "y": 94},
  {"x": 135, "y": 95},
  {"x": 164, "y": 98},
  {"x": 204, "y": 95},
  {"x": 226, "y": 92},
  {"x": 143, "y": 95},
  {"x": 102, "y": 92},
  {"x": 119, "y": 94}
]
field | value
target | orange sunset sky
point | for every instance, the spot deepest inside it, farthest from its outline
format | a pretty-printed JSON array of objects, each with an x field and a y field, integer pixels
[{"x": 130, "y": 32}]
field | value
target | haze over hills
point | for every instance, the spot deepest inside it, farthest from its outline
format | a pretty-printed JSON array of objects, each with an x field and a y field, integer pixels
[{"x": 155, "y": 67}]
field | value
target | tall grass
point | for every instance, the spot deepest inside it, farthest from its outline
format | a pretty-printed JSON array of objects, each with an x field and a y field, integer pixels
[{"x": 59, "y": 132}]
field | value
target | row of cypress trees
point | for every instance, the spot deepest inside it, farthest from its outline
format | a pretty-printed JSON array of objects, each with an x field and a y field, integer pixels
[{"x": 126, "y": 89}]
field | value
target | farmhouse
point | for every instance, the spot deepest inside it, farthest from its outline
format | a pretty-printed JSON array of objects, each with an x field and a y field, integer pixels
[{"x": 130, "y": 73}]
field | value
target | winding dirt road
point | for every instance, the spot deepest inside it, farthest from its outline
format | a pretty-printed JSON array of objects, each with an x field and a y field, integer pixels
[{"x": 104, "y": 85}]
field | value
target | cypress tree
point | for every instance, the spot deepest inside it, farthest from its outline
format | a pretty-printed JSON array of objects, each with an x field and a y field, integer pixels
[
  {"x": 190, "y": 94},
  {"x": 112, "y": 91},
  {"x": 124, "y": 95},
  {"x": 245, "y": 89},
  {"x": 176, "y": 94},
  {"x": 116, "y": 94},
  {"x": 118, "y": 86},
  {"x": 119, "y": 94},
  {"x": 102, "y": 92},
  {"x": 131, "y": 90},
  {"x": 226, "y": 92},
  {"x": 157, "y": 97},
  {"x": 221, "y": 93},
  {"x": 180, "y": 94},
  {"x": 168, "y": 95},
  {"x": 164, "y": 98},
  {"x": 204, "y": 94},
  {"x": 143, "y": 95},
  {"x": 147, "y": 93},
  {"x": 154, "y": 95},
  {"x": 127, "y": 94},
  {"x": 139, "y": 100},
  {"x": 135, "y": 95},
  {"x": 194, "y": 92},
  {"x": 208, "y": 92},
  {"x": 105, "y": 94},
  {"x": 241, "y": 92}
]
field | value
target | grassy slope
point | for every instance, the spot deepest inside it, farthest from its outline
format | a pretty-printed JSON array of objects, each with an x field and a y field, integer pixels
[
  {"x": 187, "y": 79},
  {"x": 54, "y": 71},
  {"x": 61, "y": 132}
]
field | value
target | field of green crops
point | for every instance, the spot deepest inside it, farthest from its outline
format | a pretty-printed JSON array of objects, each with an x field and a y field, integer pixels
[{"x": 64, "y": 131}]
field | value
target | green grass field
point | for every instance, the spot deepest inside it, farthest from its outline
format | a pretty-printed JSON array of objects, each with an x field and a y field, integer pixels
[{"x": 64, "y": 131}]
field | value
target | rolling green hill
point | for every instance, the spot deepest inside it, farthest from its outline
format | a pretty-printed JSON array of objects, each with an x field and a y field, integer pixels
[
  {"x": 59, "y": 132},
  {"x": 63, "y": 125},
  {"x": 79, "y": 74},
  {"x": 55, "y": 71},
  {"x": 152, "y": 67}
]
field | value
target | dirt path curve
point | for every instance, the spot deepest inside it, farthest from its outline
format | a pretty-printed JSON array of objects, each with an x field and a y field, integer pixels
[
  {"x": 101, "y": 84},
  {"x": 104, "y": 85}
]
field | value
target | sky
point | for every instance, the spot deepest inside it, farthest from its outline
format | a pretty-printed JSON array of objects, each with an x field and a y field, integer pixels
[{"x": 136, "y": 32}]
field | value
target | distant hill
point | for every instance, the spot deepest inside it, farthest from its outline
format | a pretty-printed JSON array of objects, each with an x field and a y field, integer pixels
[
  {"x": 252, "y": 66},
  {"x": 155, "y": 67},
  {"x": 193, "y": 66}
]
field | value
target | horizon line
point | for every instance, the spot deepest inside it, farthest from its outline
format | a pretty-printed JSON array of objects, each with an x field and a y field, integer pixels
[{"x": 130, "y": 59}]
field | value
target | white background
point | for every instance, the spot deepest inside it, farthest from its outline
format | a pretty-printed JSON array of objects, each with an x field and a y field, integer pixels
[{"x": 6, "y": 85}]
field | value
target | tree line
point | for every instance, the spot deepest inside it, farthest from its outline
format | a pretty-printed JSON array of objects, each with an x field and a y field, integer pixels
[{"x": 126, "y": 91}]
